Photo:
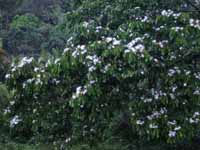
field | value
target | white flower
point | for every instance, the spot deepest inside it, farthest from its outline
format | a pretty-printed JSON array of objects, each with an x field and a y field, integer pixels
[
  {"x": 47, "y": 63},
  {"x": 167, "y": 13},
  {"x": 155, "y": 60},
  {"x": 142, "y": 72},
  {"x": 194, "y": 23},
  {"x": 38, "y": 75},
  {"x": 176, "y": 15},
  {"x": 74, "y": 96},
  {"x": 192, "y": 120},
  {"x": 172, "y": 96},
  {"x": 145, "y": 19},
  {"x": 57, "y": 60},
  {"x": 177, "y": 29},
  {"x": 75, "y": 53},
  {"x": 196, "y": 114},
  {"x": 79, "y": 91},
  {"x": 24, "y": 61},
  {"x": 134, "y": 46},
  {"x": 66, "y": 50},
  {"x": 171, "y": 122},
  {"x": 82, "y": 47},
  {"x": 12, "y": 102},
  {"x": 94, "y": 59},
  {"x": 127, "y": 51},
  {"x": 7, "y": 76},
  {"x": 153, "y": 126},
  {"x": 134, "y": 41},
  {"x": 177, "y": 128},
  {"x": 30, "y": 80},
  {"x": 7, "y": 110},
  {"x": 38, "y": 81},
  {"x": 109, "y": 39},
  {"x": 98, "y": 28},
  {"x": 85, "y": 24},
  {"x": 14, "y": 121},
  {"x": 56, "y": 81},
  {"x": 174, "y": 88},
  {"x": 36, "y": 69},
  {"x": 116, "y": 42},
  {"x": 197, "y": 75},
  {"x": 139, "y": 47},
  {"x": 92, "y": 81},
  {"x": 163, "y": 110},
  {"x": 68, "y": 140},
  {"x": 149, "y": 117},
  {"x": 148, "y": 100},
  {"x": 29, "y": 60},
  {"x": 156, "y": 96},
  {"x": 91, "y": 68},
  {"x": 14, "y": 69},
  {"x": 172, "y": 133},
  {"x": 84, "y": 91},
  {"x": 171, "y": 72},
  {"x": 187, "y": 72},
  {"x": 139, "y": 122},
  {"x": 34, "y": 110}
]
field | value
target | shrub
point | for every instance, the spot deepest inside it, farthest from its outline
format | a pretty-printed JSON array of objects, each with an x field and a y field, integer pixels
[
  {"x": 141, "y": 74},
  {"x": 5, "y": 97},
  {"x": 27, "y": 21}
]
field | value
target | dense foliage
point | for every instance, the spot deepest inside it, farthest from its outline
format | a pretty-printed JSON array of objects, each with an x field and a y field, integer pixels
[
  {"x": 129, "y": 73},
  {"x": 51, "y": 22}
]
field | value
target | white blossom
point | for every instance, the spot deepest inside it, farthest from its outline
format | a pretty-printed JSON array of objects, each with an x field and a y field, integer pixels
[
  {"x": 109, "y": 39},
  {"x": 85, "y": 24},
  {"x": 177, "y": 128},
  {"x": 116, "y": 42},
  {"x": 79, "y": 91},
  {"x": 171, "y": 122},
  {"x": 167, "y": 13},
  {"x": 14, "y": 121},
  {"x": 66, "y": 50},
  {"x": 7, "y": 76},
  {"x": 177, "y": 29},
  {"x": 172, "y": 133},
  {"x": 57, "y": 60},
  {"x": 194, "y": 23},
  {"x": 153, "y": 126},
  {"x": 139, "y": 122},
  {"x": 24, "y": 61}
]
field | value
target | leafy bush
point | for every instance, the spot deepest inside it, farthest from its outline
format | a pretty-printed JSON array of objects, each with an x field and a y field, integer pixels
[
  {"x": 143, "y": 76},
  {"x": 23, "y": 35},
  {"x": 5, "y": 97},
  {"x": 27, "y": 21},
  {"x": 29, "y": 35}
]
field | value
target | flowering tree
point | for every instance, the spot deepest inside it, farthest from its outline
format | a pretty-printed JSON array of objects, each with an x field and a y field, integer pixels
[{"x": 134, "y": 69}]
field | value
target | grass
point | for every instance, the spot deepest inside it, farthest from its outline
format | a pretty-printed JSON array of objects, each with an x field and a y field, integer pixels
[
  {"x": 16, "y": 146},
  {"x": 78, "y": 146},
  {"x": 100, "y": 146}
]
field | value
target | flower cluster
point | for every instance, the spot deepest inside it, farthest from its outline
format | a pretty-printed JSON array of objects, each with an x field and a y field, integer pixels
[{"x": 195, "y": 23}]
